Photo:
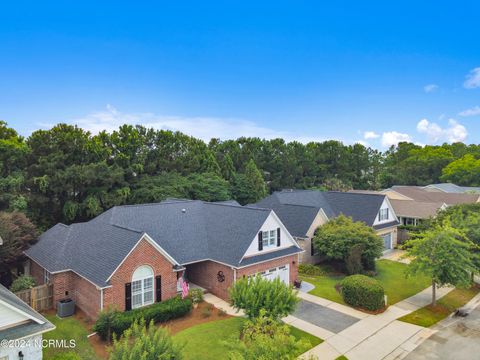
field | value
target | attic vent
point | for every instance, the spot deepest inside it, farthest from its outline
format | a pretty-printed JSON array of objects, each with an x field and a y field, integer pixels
[{"x": 184, "y": 211}]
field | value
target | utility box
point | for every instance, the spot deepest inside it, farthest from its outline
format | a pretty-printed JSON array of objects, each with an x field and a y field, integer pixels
[{"x": 65, "y": 307}]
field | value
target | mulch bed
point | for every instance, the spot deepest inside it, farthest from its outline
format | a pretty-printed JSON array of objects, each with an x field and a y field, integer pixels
[{"x": 195, "y": 317}]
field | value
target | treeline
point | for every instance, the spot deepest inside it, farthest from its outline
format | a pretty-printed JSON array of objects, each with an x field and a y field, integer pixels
[{"x": 65, "y": 174}]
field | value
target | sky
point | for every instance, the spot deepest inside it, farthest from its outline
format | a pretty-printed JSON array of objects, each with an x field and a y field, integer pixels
[{"x": 369, "y": 72}]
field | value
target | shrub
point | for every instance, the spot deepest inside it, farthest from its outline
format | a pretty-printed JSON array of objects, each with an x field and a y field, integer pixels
[
  {"x": 66, "y": 356},
  {"x": 363, "y": 292},
  {"x": 115, "y": 322},
  {"x": 207, "y": 312},
  {"x": 140, "y": 342},
  {"x": 253, "y": 294},
  {"x": 23, "y": 282},
  {"x": 196, "y": 295},
  {"x": 309, "y": 269}
]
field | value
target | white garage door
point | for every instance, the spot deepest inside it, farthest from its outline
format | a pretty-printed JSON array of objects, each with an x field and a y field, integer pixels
[
  {"x": 387, "y": 241},
  {"x": 278, "y": 272}
]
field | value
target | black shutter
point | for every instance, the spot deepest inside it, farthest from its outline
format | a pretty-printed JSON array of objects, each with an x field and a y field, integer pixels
[
  {"x": 260, "y": 241},
  {"x": 158, "y": 288},
  {"x": 278, "y": 236},
  {"x": 128, "y": 296}
]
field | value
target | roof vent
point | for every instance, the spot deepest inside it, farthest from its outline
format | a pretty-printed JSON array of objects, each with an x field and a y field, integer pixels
[{"x": 184, "y": 211}]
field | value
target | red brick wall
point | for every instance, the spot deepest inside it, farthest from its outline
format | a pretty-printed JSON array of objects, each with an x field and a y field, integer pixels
[
  {"x": 205, "y": 273},
  {"x": 37, "y": 272},
  {"x": 144, "y": 254},
  {"x": 291, "y": 260}
]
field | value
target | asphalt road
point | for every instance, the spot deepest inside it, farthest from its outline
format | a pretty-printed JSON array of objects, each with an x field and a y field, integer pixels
[{"x": 459, "y": 340}]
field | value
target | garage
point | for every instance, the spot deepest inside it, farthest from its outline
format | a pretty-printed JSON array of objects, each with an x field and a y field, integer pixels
[
  {"x": 387, "y": 241},
  {"x": 281, "y": 272}
]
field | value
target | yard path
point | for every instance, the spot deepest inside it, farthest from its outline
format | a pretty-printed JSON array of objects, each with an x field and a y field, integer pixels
[{"x": 374, "y": 337}]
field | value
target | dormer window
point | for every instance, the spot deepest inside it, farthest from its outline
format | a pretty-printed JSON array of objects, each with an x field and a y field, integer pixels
[
  {"x": 269, "y": 238},
  {"x": 383, "y": 214}
]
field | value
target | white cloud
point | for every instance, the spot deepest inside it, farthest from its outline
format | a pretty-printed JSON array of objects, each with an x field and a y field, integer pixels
[
  {"x": 470, "y": 112},
  {"x": 390, "y": 138},
  {"x": 455, "y": 131},
  {"x": 430, "y": 88},
  {"x": 204, "y": 128},
  {"x": 472, "y": 79},
  {"x": 370, "y": 135},
  {"x": 362, "y": 142}
]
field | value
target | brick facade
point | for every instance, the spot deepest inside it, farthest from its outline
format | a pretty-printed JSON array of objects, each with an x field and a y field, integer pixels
[
  {"x": 143, "y": 254},
  {"x": 205, "y": 274},
  {"x": 292, "y": 260},
  {"x": 36, "y": 271}
]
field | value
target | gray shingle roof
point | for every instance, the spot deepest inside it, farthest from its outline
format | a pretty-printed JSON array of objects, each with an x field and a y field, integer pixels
[
  {"x": 25, "y": 329},
  {"x": 453, "y": 188},
  {"x": 270, "y": 255},
  {"x": 189, "y": 231},
  {"x": 360, "y": 206}
]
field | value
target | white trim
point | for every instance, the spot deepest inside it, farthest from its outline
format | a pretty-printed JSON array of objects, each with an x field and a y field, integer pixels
[
  {"x": 151, "y": 242},
  {"x": 392, "y": 210},
  {"x": 37, "y": 333},
  {"x": 199, "y": 261},
  {"x": 264, "y": 261},
  {"x": 12, "y": 307},
  {"x": 101, "y": 299}
]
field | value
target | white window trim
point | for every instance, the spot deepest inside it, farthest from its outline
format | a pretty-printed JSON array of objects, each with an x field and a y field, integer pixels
[
  {"x": 46, "y": 276},
  {"x": 142, "y": 290},
  {"x": 271, "y": 241},
  {"x": 384, "y": 214}
]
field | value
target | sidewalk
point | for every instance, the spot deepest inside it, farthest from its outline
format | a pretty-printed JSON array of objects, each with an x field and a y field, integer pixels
[{"x": 377, "y": 337}]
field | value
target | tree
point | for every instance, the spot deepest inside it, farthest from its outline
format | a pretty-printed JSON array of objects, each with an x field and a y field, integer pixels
[
  {"x": 18, "y": 233},
  {"x": 252, "y": 294},
  {"x": 337, "y": 239},
  {"x": 249, "y": 187},
  {"x": 464, "y": 171},
  {"x": 267, "y": 339},
  {"x": 145, "y": 343},
  {"x": 208, "y": 187},
  {"x": 444, "y": 255}
]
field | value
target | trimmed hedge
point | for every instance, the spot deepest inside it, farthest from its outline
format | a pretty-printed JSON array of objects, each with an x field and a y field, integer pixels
[
  {"x": 363, "y": 292},
  {"x": 309, "y": 269},
  {"x": 116, "y": 322}
]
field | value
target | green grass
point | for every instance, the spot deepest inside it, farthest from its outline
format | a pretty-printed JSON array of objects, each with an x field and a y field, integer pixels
[
  {"x": 208, "y": 341},
  {"x": 341, "y": 357},
  {"x": 430, "y": 315},
  {"x": 67, "y": 329},
  {"x": 391, "y": 275}
]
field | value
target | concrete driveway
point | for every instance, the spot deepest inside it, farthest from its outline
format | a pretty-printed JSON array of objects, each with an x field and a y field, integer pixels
[
  {"x": 459, "y": 339},
  {"x": 323, "y": 316}
]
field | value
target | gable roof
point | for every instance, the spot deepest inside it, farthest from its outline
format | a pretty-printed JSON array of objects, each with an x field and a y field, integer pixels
[
  {"x": 415, "y": 209},
  {"x": 419, "y": 193},
  {"x": 187, "y": 230},
  {"x": 453, "y": 188},
  {"x": 297, "y": 208},
  {"x": 36, "y": 324}
]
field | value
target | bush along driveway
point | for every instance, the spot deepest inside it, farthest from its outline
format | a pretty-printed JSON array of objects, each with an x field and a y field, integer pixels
[{"x": 390, "y": 274}]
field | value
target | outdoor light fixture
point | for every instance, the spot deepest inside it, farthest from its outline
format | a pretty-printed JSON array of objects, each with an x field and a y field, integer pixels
[{"x": 20, "y": 355}]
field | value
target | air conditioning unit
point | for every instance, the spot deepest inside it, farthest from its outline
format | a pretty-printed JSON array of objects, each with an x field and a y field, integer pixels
[{"x": 65, "y": 307}]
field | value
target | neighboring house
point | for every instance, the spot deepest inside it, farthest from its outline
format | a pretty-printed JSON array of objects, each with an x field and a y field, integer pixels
[
  {"x": 303, "y": 211},
  {"x": 134, "y": 255},
  {"x": 452, "y": 188},
  {"x": 22, "y": 326},
  {"x": 413, "y": 204}
]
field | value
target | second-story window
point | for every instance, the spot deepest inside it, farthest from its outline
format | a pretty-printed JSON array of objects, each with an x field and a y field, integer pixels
[
  {"x": 383, "y": 214},
  {"x": 269, "y": 238}
]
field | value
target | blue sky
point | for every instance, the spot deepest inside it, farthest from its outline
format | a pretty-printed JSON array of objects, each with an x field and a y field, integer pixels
[{"x": 374, "y": 72}]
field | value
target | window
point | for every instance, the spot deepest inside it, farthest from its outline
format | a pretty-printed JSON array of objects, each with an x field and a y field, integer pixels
[
  {"x": 142, "y": 287},
  {"x": 46, "y": 276},
  {"x": 269, "y": 238},
  {"x": 383, "y": 214}
]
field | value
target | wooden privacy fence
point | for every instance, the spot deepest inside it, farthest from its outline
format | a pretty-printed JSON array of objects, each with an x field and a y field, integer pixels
[{"x": 39, "y": 297}]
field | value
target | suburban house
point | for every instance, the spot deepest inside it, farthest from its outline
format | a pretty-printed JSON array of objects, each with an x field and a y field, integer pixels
[
  {"x": 131, "y": 256},
  {"x": 415, "y": 203},
  {"x": 303, "y": 211},
  {"x": 21, "y": 325}
]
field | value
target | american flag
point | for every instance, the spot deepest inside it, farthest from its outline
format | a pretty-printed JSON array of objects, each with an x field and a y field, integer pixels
[{"x": 184, "y": 288}]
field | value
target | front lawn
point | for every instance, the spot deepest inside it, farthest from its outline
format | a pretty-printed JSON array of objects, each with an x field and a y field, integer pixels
[
  {"x": 210, "y": 340},
  {"x": 69, "y": 328},
  {"x": 391, "y": 274},
  {"x": 430, "y": 315}
]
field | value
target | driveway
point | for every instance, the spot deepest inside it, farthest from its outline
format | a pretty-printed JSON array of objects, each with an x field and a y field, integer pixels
[
  {"x": 459, "y": 340},
  {"x": 323, "y": 316}
]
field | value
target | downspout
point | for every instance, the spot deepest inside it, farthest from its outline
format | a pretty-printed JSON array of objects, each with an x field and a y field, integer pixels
[
  {"x": 101, "y": 299},
  {"x": 234, "y": 275}
]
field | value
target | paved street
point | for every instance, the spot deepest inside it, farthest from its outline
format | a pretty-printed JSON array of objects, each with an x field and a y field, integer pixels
[{"x": 458, "y": 339}]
